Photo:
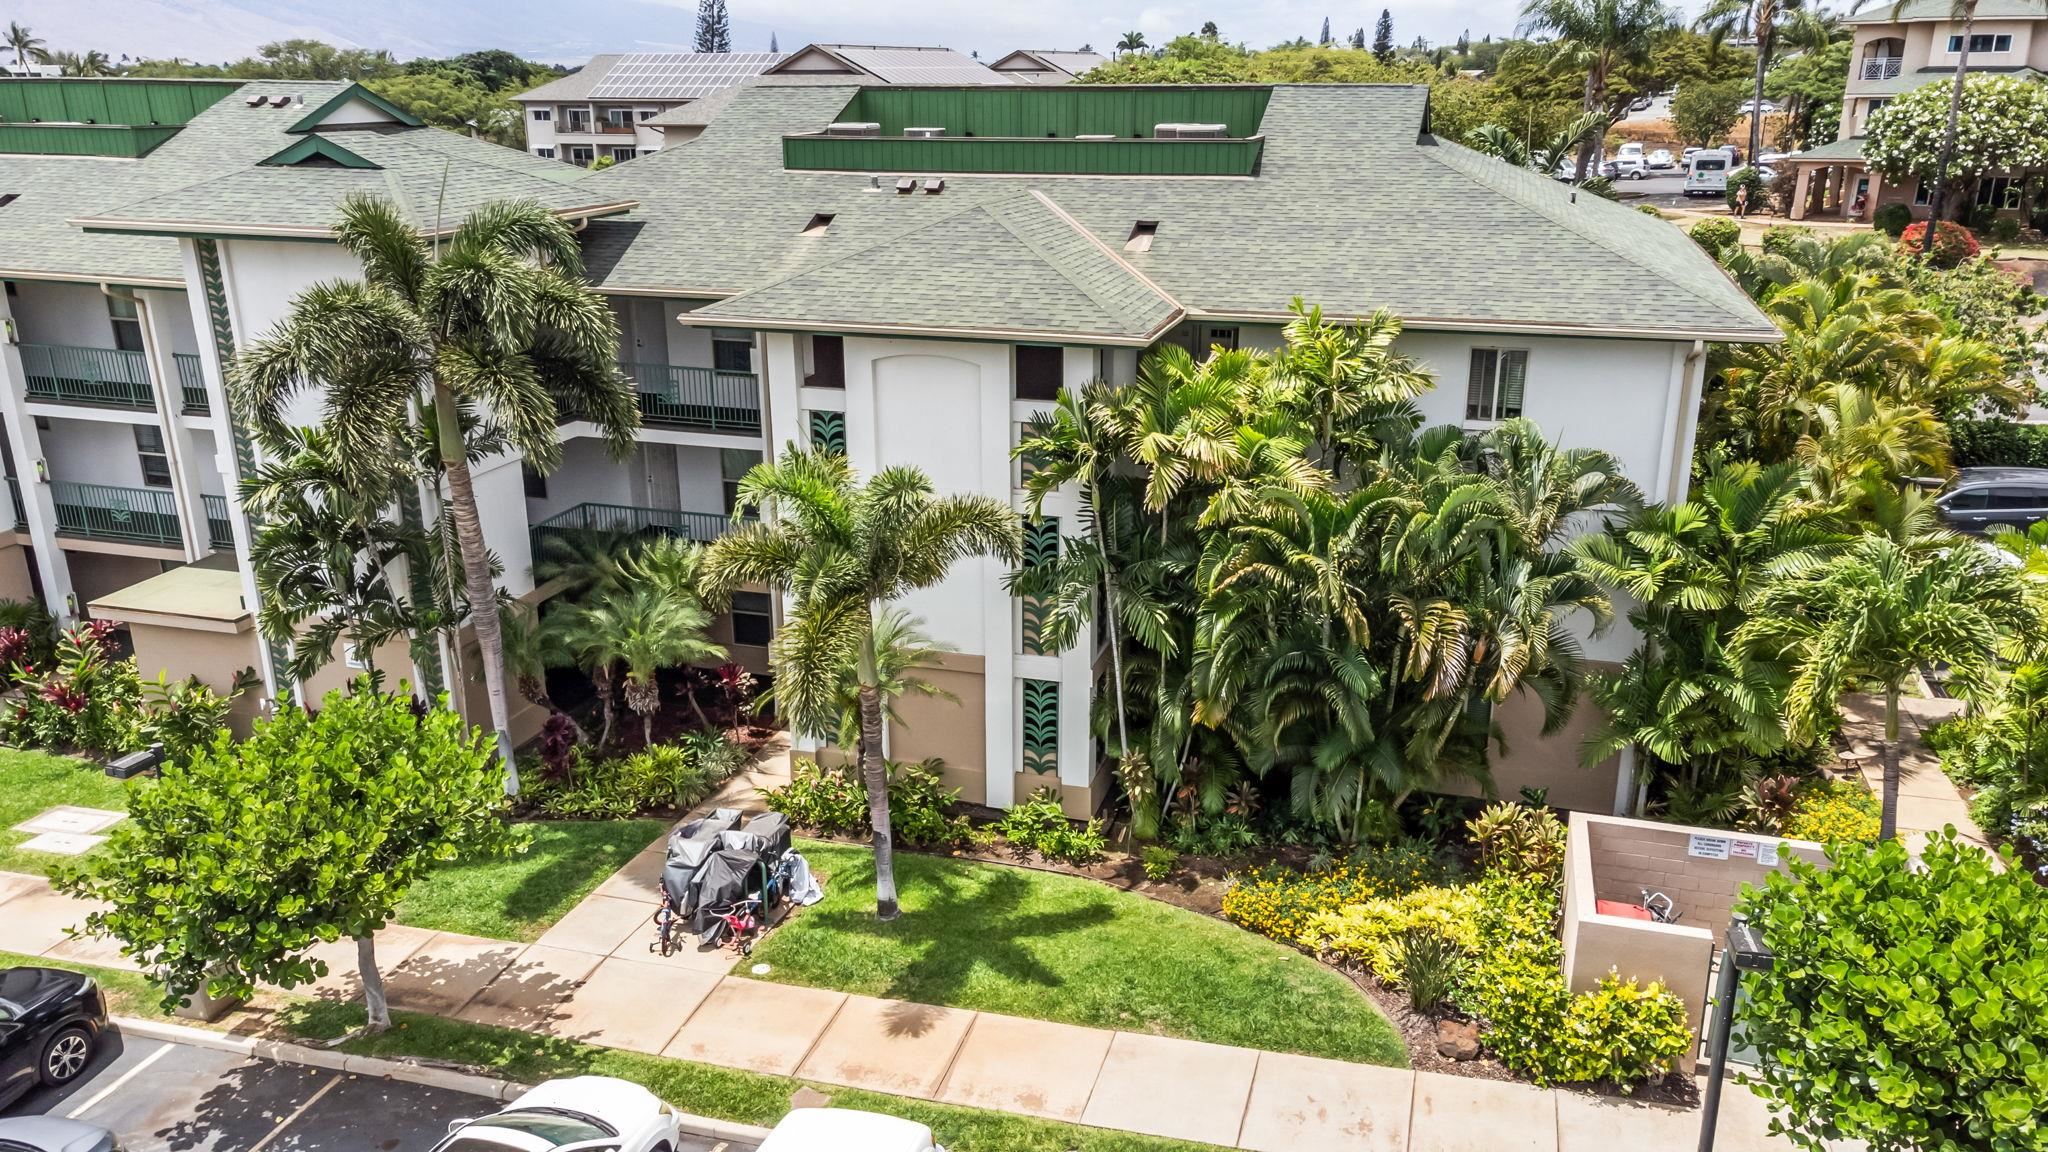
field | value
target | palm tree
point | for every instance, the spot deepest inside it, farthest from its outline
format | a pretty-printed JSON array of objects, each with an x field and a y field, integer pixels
[
  {"x": 26, "y": 46},
  {"x": 901, "y": 648},
  {"x": 646, "y": 632},
  {"x": 1871, "y": 616},
  {"x": 1133, "y": 42},
  {"x": 1602, "y": 38},
  {"x": 1548, "y": 157},
  {"x": 1348, "y": 384},
  {"x": 841, "y": 551},
  {"x": 1760, "y": 19},
  {"x": 495, "y": 319},
  {"x": 94, "y": 63},
  {"x": 1964, "y": 14}
]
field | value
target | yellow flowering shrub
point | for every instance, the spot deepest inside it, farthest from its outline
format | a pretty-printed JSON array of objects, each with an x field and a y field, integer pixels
[
  {"x": 1279, "y": 902},
  {"x": 1370, "y": 933},
  {"x": 1835, "y": 811}
]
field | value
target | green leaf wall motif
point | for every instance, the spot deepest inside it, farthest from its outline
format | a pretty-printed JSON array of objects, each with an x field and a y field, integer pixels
[
  {"x": 1042, "y": 726},
  {"x": 828, "y": 432},
  {"x": 1041, "y": 546}
]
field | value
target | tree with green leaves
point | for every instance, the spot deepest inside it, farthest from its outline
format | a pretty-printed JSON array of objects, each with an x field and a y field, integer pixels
[
  {"x": 637, "y": 633},
  {"x": 1906, "y": 1007},
  {"x": 483, "y": 332},
  {"x": 714, "y": 27},
  {"x": 1703, "y": 114},
  {"x": 26, "y": 46},
  {"x": 1133, "y": 42},
  {"x": 1751, "y": 19},
  {"x": 242, "y": 859},
  {"x": 1605, "y": 40},
  {"x": 1871, "y": 616},
  {"x": 902, "y": 648},
  {"x": 840, "y": 551},
  {"x": 1949, "y": 135},
  {"x": 455, "y": 101},
  {"x": 1383, "y": 38}
]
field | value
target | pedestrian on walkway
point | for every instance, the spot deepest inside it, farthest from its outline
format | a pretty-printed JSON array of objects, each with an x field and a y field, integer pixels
[{"x": 1742, "y": 201}]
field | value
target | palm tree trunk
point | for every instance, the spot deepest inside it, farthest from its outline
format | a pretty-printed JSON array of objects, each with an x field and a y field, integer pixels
[
  {"x": 876, "y": 776},
  {"x": 1948, "y": 135},
  {"x": 377, "y": 1010},
  {"x": 601, "y": 679},
  {"x": 1888, "y": 813},
  {"x": 1116, "y": 659},
  {"x": 1765, "y": 33},
  {"x": 476, "y": 573},
  {"x": 690, "y": 694}
]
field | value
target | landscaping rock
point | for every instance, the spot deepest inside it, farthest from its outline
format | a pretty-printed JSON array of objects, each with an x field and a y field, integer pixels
[
  {"x": 808, "y": 1097},
  {"x": 1457, "y": 1040}
]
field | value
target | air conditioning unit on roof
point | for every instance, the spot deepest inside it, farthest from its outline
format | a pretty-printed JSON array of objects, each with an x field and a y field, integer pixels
[
  {"x": 924, "y": 133},
  {"x": 853, "y": 128},
  {"x": 1096, "y": 136},
  {"x": 1191, "y": 131}
]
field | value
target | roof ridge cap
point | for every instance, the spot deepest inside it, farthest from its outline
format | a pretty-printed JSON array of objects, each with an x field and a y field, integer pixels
[
  {"x": 860, "y": 251},
  {"x": 1066, "y": 218}
]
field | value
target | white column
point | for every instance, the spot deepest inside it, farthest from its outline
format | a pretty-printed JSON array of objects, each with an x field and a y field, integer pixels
[
  {"x": 1003, "y": 717},
  {"x": 781, "y": 378},
  {"x": 163, "y": 378},
  {"x": 27, "y": 446}
]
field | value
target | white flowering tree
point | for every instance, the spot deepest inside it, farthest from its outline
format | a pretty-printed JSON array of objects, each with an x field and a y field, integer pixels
[{"x": 2003, "y": 125}]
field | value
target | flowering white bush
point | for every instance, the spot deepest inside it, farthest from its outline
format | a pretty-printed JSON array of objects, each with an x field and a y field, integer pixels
[{"x": 2003, "y": 124}]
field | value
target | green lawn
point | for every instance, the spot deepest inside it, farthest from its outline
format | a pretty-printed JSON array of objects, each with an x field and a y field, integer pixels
[
  {"x": 31, "y": 782},
  {"x": 1054, "y": 947},
  {"x": 519, "y": 897}
]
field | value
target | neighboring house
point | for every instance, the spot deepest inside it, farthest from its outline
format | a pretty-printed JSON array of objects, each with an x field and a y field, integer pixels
[
  {"x": 886, "y": 64},
  {"x": 1897, "y": 48},
  {"x": 608, "y": 107},
  {"x": 1048, "y": 66},
  {"x": 904, "y": 299}
]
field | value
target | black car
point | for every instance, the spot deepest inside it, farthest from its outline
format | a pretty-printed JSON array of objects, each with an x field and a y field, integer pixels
[
  {"x": 1983, "y": 500},
  {"x": 50, "y": 1025}
]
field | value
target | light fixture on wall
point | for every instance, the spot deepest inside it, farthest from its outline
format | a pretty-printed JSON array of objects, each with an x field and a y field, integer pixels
[
  {"x": 12, "y": 336},
  {"x": 42, "y": 470},
  {"x": 71, "y": 603}
]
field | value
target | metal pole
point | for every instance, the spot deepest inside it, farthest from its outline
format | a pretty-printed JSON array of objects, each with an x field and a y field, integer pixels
[{"x": 1744, "y": 949}]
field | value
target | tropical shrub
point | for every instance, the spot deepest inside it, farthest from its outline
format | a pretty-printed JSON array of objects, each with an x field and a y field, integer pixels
[
  {"x": 1429, "y": 966},
  {"x": 28, "y": 638},
  {"x": 1370, "y": 933},
  {"x": 85, "y": 700},
  {"x": 1716, "y": 236},
  {"x": 1977, "y": 443},
  {"x": 661, "y": 778},
  {"x": 243, "y": 858},
  {"x": 1747, "y": 177},
  {"x": 184, "y": 716},
  {"x": 1781, "y": 239},
  {"x": 2000, "y": 749},
  {"x": 827, "y": 800},
  {"x": 1953, "y": 243},
  {"x": 1907, "y": 1005},
  {"x": 1041, "y": 825},
  {"x": 1521, "y": 840},
  {"x": 2005, "y": 229},
  {"x": 1834, "y": 811},
  {"x": 1159, "y": 861},
  {"x": 1281, "y": 902},
  {"x": 834, "y": 801},
  {"x": 1891, "y": 219}
]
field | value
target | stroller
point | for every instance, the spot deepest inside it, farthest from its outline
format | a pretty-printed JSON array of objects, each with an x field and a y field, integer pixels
[{"x": 717, "y": 877}]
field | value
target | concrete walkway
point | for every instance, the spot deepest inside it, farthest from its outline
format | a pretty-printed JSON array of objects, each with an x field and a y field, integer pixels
[
  {"x": 592, "y": 978},
  {"x": 1928, "y": 799}
]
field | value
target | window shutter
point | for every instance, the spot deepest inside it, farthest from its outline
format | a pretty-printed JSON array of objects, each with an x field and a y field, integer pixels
[
  {"x": 1479, "y": 391},
  {"x": 1514, "y": 372}
]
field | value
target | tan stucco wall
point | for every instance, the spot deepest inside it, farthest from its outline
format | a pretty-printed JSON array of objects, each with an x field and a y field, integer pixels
[
  {"x": 394, "y": 660},
  {"x": 94, "y": 574},
  {"x": 1078, "y": 801},
  {"x": 952, "y": 730},
  {"x": 216, "y": 658},
  {"x": 752, "y": 657},
  {"x": 14, "y": 579},
  {"x": 1534, "y": 760}
]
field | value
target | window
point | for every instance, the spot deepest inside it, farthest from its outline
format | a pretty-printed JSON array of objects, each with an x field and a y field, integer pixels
[
  {"x": 647, "y": 113},
  {"x": 819, "y": 222},
  {"x": 1969, "y": 500},
  {"x": 732, "y": 355},
  {"x": 127, "y": 324},
  {"x": 1923, "y": 194},
  {"x": 2015, "y": 499},
  {"x": 542, "y": 115},
  {"x": 623, "y": 154},
  {"x": 733, "y": 464},
  {"x": 582, "y": 154},
  {"x": 1495, "y": 389},
  {"x": 828, "y": 363},
  {"x": 752, "y": 623},
  {"x": 616, "y": 118},
  {"x": 149, "y": 448},
  {"x": 1870, "y": 108},
  {"x": 544, "y": 153},
  {"x": 1221, "y": 338},
  {"x": 1983, "y": 42},
  {"x": 536, "y": 484},
  {"x": 1038, "y": 372},
  {"x": 2000, "y": 192}
]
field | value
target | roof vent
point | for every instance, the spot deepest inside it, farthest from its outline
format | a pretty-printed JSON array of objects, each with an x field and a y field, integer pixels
[
  {"x": 1096, "y": 136},
  {"x": 1190, "y": 131},
  {"x": 279, "y": 101},
  {"x": 924, "y": 133},
  {"x": 853, "y": 128},
  {"x": 906, "y": 186},
  {"x": 819, "y": 222},
  {"x": 257, "y": 101},
  {"x": 7, "y": 198},
  {"x": 934, "y": 186},
  {"x": 1140, "y": 239}
]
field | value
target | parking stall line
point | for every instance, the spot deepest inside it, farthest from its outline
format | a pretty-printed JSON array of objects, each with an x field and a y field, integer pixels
[
  {"x": 161, "y": 1052},
  {"x": 296, "y": 1113}
]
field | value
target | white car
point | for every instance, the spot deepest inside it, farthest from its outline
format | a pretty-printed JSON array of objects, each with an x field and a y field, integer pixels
[
  {"x": 1631, "y": 167},
  {"x": 580, "y": 1114},
  {"x": 846, "y": 1130},
  {"x": 1661, "y": 159}
]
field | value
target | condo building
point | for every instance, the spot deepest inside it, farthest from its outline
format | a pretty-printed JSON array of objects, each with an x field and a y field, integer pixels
[{"x": 905, "y": 273}]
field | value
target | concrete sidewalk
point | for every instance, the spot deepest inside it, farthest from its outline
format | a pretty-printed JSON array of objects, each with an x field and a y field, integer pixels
[
  {"x": 1928, "y": 799},
  {"x": 592, "y": 978}
]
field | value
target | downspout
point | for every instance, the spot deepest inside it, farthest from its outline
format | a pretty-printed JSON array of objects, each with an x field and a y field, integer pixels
[
  {"x": 1679, "y": 413},
  {"x": 1690, "y": 390},
  {"x": 191, "y": 513}
]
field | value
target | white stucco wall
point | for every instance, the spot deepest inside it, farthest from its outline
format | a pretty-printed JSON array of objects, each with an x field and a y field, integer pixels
[
  {"x": 263, "y": 277},
  {"x": 92, "y": 452},
  {"x": 52, "y": 313}
]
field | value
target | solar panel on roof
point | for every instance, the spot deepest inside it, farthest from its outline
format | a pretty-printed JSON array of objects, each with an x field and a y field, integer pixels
[{"x": 679, "y": 75}]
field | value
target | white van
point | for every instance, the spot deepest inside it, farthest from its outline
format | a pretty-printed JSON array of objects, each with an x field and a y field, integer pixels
[{"x": 1706, "y": 174}]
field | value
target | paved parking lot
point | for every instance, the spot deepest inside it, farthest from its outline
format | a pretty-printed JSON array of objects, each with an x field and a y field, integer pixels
[{"x": 163, "y": 1097}]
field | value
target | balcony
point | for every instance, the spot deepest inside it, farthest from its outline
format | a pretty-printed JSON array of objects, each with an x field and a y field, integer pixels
[
  {"x": 626, "y": 519},
  {"x": 672, "y": 396},
  {"x": 191, "y": 382},
  {"x": 220, "y": 532},
  {"x": 1880, "y": 67},
  {"x": 106, "y": 512},
  {"x": 107, "y": 377}
]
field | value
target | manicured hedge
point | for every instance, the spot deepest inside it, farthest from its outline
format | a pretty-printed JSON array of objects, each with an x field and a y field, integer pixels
[{"x": 1974, "y": 443}]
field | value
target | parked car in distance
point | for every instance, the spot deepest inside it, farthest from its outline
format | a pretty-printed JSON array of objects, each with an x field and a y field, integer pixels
[
  {"x": 50, "y": 1026},
  {"x": 1567, "y": 170},
  {"x": 1982, "y": 500},
  {"x": 1749, "y": 106},
  {"x": 1706, "y": 174},
  {"x": 51, "y": 1134},
  {"x": 1631, "y": 167},
  {"x": 1661, "y": 159},
  {"x": 1640, "y": 104},
  {"x": 847, "y": 1130},
  {"x": 585, "y": 1113}
]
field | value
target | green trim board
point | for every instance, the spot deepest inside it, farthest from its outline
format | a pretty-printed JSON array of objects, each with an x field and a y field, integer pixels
[
  {"x": 316, "y": 148},
  {"x": 314, "y": 118},
  {"x": 115, "y": 141}
]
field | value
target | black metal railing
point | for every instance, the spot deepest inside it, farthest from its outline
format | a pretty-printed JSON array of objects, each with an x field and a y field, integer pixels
[
  {"x": 72, "y": 375},
  {"x": 675, "y": 396},
  {"x": 220, "y": 532},
  {"x": 109, "y": 512},
  {"x": 191, "y": 382}
]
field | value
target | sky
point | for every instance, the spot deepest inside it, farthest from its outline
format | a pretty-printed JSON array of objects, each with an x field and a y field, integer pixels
[{"x": 568, "y": 31}]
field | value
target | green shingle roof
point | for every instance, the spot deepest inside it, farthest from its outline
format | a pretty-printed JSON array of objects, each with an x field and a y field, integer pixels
[
  {"x": 1038, "y": 274},
  {"x": 1353, "y": 208},
  {"x": 1849, "y": 148}
]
